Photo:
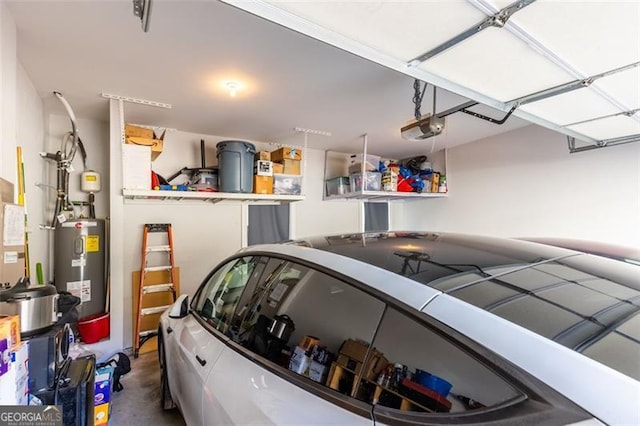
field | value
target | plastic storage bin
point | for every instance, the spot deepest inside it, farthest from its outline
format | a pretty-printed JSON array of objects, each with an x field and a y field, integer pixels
[
  {"x": 370, "y": 182},
  {"x": 235, "y": 166},
  {"x": 287, "y": 184},
  {"x": 338, "y": 186},
  {"x": 372, "y": 162},
  {"x": 94, "y": 328}
]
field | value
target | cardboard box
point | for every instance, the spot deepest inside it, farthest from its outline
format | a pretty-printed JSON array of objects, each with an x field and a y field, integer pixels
[
  {"x": 263, "y": 168},
  {"x": 354, "y": 349},
  {"x": 14, "y": 384},
  {"x": 263, "y": 184},
  {"x": 101, "y": 414},
  {"x": 349, "y": 363},
  {"x": 299, "y": 361},
  {"x": 6, "y": 191},
  {"x": 263, "y": 155},
  {"x": 286, "y": 153},
  {"x": 156, "y": 144},
  {"x": 318, "y": 372},
  {"x": 102, "y": 386},
  {"x": 139, "y": 132},
  {"x": 10, "y": 329},
  {"x": 287, "y": 184},
  {"x": 12, "y": 261},
  {"x": 278, "y": 168},
  {"x": 290, "y": 167}
]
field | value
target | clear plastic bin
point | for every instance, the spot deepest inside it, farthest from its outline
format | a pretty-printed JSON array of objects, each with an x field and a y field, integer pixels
[
  {"x": 370, "y": 182},
  {"x": 338, "y": 186}
]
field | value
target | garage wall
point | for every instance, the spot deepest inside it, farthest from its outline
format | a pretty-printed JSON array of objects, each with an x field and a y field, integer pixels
[
  {"x": 525, "y": 183},
  {"x": 206, "y": 233}
]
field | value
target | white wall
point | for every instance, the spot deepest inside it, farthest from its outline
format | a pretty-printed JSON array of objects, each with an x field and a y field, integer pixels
[
  {"x": 30, "y": 136},
  {"x": 525, "y": 183},
  {"x": 8, "y": 70}
]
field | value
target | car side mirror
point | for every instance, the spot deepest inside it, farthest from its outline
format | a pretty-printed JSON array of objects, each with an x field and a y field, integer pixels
[{"x": 180, "y": 307}]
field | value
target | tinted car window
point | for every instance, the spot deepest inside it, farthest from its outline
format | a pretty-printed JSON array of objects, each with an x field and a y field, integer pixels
[
  {"x": 423, "y": 368},
  {"x": 304, "y": 320},
  {"x": 219, "y": 296}
]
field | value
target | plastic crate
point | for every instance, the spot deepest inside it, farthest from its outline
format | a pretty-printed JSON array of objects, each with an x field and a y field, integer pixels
[{"x": 370, "y": 182}]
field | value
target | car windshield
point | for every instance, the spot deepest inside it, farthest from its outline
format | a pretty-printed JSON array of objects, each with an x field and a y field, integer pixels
[{"x": 591, "y": 306}]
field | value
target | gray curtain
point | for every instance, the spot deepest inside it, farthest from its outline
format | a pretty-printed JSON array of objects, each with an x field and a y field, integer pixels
[
  {"x": 376, "y": 217},
  {"x": 268, "y": 224}
]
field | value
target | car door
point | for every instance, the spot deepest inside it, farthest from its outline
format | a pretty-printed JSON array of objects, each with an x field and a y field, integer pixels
[
  {"x": 197, "y": 348},
  {"x": 251, "y": 384}
]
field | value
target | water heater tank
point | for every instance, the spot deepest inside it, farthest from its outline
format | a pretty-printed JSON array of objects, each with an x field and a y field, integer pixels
[{"x": 79, "y": 262}]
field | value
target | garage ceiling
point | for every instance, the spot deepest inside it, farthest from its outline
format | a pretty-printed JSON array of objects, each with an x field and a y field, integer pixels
[
  {"x": 523, "y": 48},
  {"x": 84, "y": 48}
]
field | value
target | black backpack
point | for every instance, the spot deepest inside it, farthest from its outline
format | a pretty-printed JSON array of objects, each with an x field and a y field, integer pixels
[{"x": 121, "y": 365}]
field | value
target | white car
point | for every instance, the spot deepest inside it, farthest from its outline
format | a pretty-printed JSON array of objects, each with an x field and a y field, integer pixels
[{"x": 406, "y": 328}]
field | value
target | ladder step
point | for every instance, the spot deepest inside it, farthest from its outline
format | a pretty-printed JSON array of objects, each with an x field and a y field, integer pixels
[
  {"x": 157, "y": 287},
  {"x": 148, "y": 333},
  {"x": 158, "y": 268},
  {"x": 165, "y": 247},
  {"x": 154, "y": 310}
]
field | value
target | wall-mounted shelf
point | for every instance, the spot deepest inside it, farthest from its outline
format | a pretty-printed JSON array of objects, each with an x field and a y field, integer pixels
[
  {"x": 213, "y": 197},
  {"x": 385, "y": 196}
]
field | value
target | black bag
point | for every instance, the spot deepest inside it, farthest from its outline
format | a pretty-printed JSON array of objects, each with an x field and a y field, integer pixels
[{"x": 121, "y": 365}]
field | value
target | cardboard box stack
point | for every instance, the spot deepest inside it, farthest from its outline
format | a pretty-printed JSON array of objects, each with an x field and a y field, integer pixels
[
  {"x": 263, "y": 173},
  {"x": 102, "y": 395},
  {"x": 289, "y": 160}
]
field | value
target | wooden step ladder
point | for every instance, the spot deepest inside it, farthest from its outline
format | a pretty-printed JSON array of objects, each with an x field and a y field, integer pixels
[{"x": 147, "y": 305}]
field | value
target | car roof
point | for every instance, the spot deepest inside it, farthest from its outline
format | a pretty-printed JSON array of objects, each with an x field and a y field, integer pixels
[{"x": 585, "y": 302}]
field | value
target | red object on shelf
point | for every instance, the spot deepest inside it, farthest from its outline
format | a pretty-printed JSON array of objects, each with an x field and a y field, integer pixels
[
  {"x": 433, "y": 395},
  {"x": 94, "y": 328}
]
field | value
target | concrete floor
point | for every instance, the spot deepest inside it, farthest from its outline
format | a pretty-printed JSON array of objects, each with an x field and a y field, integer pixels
[{"x": 139, "y": 402}]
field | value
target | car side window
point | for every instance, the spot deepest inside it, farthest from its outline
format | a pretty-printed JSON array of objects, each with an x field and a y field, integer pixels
[
  {"x": 306, "y": 320},
  {"x": 417, "y": 369},
  {"x": 219, "y": 296}
]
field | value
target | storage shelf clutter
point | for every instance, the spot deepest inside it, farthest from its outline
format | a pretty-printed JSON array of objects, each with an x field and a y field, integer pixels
[
  {"x": 370, "y": 177},
  {"x": 243, "y": 173}
]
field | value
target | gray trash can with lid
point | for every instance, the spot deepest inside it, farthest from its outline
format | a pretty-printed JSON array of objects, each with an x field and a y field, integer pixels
[{"x": 235, "y": 163}]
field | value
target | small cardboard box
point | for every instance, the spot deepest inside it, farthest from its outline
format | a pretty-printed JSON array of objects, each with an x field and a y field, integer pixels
[
  {"x": 101, "y": 414},
  {"x": 263, "y": 156},
  {"x": 318, "y": 372},
  {"x": 263, "y": 184},
  {"x": 286, "y": 153},
  {"x": 10, "y": 329},
  {"x": 278, "y": 168},
  {"x": 263, "y": 168},
  {"x": 291, "y": 167},
  {"x": 156, "y": 144},
  {"x": 102, "y": 387},
  {"x": 6, "y": 191},
  {"x": 299, "y": 361}
]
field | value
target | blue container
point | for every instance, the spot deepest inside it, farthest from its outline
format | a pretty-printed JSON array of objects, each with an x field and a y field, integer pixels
[
  {"x": 433, "y": 382},
  {"x": 235, "y": 166}
]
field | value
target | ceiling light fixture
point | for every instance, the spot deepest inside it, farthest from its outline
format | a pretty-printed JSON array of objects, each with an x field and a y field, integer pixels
[{"x": 232, "y": 87}]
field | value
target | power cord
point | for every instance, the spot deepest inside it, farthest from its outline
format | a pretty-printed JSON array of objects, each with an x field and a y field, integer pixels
[{"x": 373, "y": 414}]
